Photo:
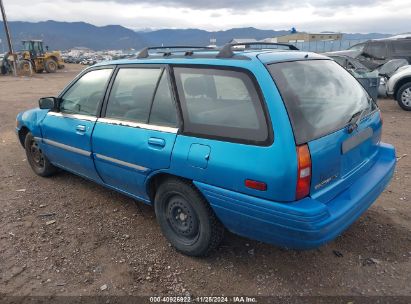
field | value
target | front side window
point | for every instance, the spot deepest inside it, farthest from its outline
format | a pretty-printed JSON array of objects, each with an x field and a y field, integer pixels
[
  {"x": 85, "y": 95},
  {"x": 132, "y": 94},
  {"x": 221, "y": 103}
]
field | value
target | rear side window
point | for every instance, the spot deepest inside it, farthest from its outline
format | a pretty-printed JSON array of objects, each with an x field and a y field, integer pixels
[
  {"x": 320, "y": 96},
  {"x": 163, "y": 111},
  {"x": 132, "y": 94},
  {"x": 221, "y": 103}
]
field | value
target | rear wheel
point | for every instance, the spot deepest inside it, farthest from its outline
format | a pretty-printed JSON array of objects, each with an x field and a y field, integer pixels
[
  {"x": 50, "y": 66},
  {"x": 186, "y": 219},
  {"x": 404, "y": 96},
  {"x": 37, "y": 160}
]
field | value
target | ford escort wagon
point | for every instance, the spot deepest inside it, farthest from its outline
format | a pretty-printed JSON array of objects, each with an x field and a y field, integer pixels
[{"x": 276, "y": 145}]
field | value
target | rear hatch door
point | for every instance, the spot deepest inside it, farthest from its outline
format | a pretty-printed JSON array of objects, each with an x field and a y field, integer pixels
[{"x": 332, "y": 113}]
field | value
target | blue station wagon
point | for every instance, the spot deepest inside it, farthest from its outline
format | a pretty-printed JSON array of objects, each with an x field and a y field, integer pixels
[{"x": 279, "y": 146}]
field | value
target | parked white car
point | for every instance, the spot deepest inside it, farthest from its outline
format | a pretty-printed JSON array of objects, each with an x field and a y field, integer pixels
[{"x": 398, "y": 86}]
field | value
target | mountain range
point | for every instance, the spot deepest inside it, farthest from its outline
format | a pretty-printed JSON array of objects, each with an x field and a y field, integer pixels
[{"x": 66, "y": 35}]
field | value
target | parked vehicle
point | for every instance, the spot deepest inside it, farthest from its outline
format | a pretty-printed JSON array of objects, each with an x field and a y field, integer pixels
[
  {"x": 278, "y": 146},
  {"x": 369, "y": 79},
  {"x": 398, "y": 86},
  {"x": 35, "y": 57},
  {"x": 374, "y": 53}
]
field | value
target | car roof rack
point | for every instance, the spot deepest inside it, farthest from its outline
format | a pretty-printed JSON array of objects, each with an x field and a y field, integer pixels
[
  {"x": 188, "y": 49},
  {"x": 228, "y": 50}
]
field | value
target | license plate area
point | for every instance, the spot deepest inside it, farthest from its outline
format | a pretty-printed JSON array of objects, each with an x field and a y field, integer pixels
[{"x": 356, "y": 140}]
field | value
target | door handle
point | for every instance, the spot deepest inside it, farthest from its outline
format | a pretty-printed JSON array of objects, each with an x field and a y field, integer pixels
[
  {"x": 81, "y": 129},
  {"x": 157, "y": 142}
]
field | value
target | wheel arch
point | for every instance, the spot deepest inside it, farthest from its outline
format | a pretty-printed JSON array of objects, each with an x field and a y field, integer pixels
[
  {"x": 154, "y": 181},
  {"x": 400, "y": 83},
  {"x": 22, "y": 134}
]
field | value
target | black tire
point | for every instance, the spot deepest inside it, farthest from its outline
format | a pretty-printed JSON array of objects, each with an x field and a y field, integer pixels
[
  {"x": 25, "y": 68},
  {"x": 37, "y": 160},
  {"x": 403, "y": 96},
  {"x": 186, "y": 219},
  {"x": 51, "y": 66}
]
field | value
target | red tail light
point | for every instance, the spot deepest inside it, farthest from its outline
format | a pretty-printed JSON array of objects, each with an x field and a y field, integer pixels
[{"x": 304, "y": 172}]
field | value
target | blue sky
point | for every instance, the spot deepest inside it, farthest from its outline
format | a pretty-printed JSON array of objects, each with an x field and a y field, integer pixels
[{"x": 389, "y": 16}]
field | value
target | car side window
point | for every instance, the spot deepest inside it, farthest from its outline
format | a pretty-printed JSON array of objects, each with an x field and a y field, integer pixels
[
  {"x": 85, "y": 95},
  {"x": 132, "y": 94},
  {"x": 163, "y": 111},
  {"x": 221, "y": 103},
  {"x": 376, "y": 49}
]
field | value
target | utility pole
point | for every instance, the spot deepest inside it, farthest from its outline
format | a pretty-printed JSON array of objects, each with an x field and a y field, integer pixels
[{"x": 6, "y": 29}]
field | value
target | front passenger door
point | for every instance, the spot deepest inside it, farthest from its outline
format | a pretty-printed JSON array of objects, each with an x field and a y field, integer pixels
[{"x": 67, "y": 133}]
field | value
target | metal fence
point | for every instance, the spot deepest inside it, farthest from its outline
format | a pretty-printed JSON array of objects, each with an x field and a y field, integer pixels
[{"x": 326, "y": 46}]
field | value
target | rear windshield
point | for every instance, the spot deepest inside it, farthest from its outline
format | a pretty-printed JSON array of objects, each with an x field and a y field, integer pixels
[{"x": 321, "y": 97}]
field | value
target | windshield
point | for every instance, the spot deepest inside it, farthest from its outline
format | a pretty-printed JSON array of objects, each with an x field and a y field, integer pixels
[{"x": 321, "y": 96}]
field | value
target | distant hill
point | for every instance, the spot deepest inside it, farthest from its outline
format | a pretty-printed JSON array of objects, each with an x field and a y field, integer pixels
[{"x": 65, "y": 35}]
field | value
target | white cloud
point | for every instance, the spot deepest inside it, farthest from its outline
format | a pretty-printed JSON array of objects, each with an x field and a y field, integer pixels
[{"x": 391, "y": 16}]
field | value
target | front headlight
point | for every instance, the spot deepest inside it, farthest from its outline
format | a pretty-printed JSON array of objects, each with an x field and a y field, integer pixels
[{"x": 382, "y": 81}]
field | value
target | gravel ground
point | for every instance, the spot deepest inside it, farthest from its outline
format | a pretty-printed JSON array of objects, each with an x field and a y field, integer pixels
[{"x": 67, "y": 236}]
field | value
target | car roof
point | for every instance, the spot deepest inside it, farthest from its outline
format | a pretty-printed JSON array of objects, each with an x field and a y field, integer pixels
[{"x": 209, "y": 57}]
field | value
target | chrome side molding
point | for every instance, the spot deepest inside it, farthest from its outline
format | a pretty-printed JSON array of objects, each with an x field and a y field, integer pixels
[
  {"x": 74, "y": 116},
  {"x": 132, "y": 124},
  {"x": 66, "y": 147},
  {"x": 120, "y": 162}
]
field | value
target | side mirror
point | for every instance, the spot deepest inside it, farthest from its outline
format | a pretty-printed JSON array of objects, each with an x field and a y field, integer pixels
[{"x": 48, "y": 103}]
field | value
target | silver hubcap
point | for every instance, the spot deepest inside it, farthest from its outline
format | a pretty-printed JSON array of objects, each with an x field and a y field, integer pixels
[{"x": 406, "y": 97}]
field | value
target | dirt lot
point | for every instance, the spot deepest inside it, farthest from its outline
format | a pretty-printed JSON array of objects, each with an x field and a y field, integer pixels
[{"x": 103, "y": 238}]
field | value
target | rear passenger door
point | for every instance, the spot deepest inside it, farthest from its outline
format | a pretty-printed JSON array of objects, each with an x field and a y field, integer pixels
[{"x": 138, "y": 128}]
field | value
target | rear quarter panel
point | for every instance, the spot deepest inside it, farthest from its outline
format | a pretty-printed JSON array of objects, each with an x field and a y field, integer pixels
[{"x": 230, "y": 164}]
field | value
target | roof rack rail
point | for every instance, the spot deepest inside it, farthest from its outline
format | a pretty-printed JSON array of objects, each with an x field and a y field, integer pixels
[
  {"x": 227, "y": 50},
  {"x": 144, "y": 53}
]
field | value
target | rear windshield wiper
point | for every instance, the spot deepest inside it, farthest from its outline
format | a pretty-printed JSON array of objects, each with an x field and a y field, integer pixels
[{"x": 356, "y": 119}]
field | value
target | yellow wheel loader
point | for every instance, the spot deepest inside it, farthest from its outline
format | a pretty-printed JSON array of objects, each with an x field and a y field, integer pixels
[{"x": 33, "y": 51}]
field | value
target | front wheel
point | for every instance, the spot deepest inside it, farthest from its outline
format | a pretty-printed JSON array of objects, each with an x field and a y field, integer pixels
[
  {"x": 404, "y": 96},
  {"x": 50, "y": 66},
  {"x": 186, "y": 219},
  {"x": 37, "y": 160}
]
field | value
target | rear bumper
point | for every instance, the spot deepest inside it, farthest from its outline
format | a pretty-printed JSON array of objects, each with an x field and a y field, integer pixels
[{"x": 303, "y": 224}]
